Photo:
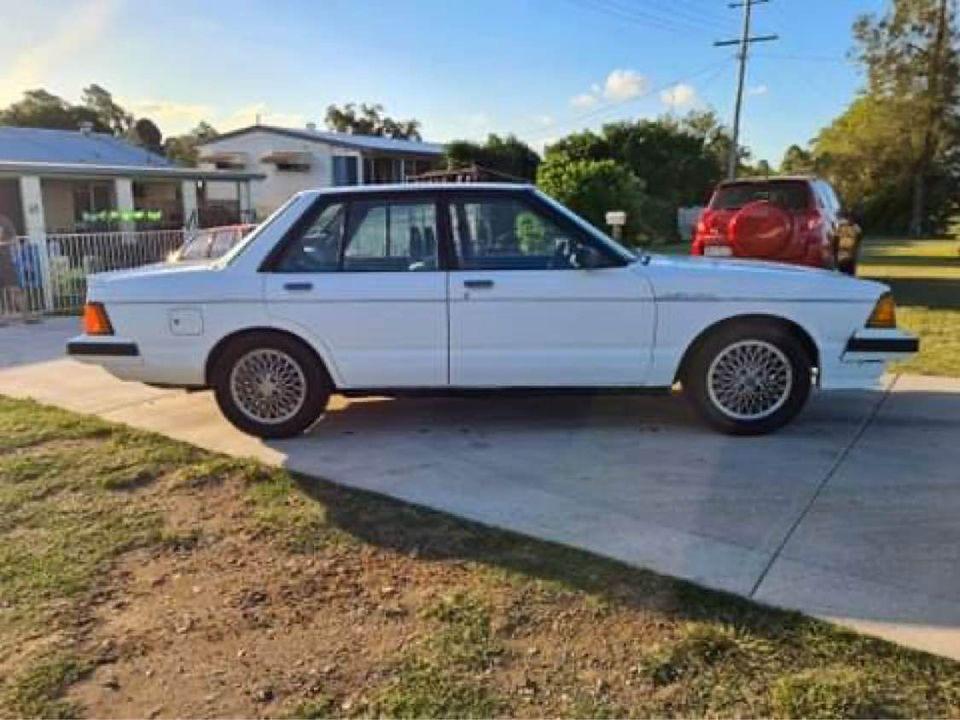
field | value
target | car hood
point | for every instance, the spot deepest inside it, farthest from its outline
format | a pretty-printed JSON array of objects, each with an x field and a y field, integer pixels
[{"x": 698, "y": 278}]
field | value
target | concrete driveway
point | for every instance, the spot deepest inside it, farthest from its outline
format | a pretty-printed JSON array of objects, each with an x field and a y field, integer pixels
[{"x": 852, "y": 513}]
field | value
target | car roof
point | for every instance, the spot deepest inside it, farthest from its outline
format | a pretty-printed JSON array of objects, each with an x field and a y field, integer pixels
[
  {"x": 772, "y": 178},
  {"x": 420, "y": 187}
]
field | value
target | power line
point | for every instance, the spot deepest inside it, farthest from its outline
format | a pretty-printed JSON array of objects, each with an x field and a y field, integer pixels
[
  {"x": 744, "y": 43},
  {"x": 693, "y": 12},
  {"x": 639, "y": 18}
]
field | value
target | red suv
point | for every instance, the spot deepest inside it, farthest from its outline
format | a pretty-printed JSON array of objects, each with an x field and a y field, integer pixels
[{"x": 795, "y": 220}]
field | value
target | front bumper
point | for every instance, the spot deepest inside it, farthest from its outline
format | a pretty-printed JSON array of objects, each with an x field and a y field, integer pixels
[
  {"x": 880, "y": 345},
  {"x": 864, "y": 359}
]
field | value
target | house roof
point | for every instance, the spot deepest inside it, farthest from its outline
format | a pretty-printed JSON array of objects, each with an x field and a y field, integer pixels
[
  {"x": 20, "y": 144},
  {"x": 40, "y": 151},
  {"x": 368, "y": 143},
  {"x": 87, "y": 170}
]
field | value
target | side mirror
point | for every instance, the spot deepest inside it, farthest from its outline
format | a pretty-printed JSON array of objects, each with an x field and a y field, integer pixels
[{"x": 587, "y": 257}]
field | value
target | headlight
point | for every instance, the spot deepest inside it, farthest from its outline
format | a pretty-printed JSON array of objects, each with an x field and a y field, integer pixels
[{"x": 884, "y": 313}]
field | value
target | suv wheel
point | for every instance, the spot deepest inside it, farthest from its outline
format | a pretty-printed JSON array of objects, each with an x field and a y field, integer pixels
[
  {"x": 270, "y": 385},
  {"x": 749, "y": 379}
]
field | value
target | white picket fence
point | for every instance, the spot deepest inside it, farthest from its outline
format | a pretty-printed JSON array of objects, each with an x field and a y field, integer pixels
[{"x": 49, "y": 275}]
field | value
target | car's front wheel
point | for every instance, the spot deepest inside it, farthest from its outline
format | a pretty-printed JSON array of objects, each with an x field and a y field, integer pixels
[
  {"x": 270, "y": 385},
  {"x": 749, "y": 379}
]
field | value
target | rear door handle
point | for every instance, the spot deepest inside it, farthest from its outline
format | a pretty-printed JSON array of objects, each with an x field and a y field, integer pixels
[
  {"x": 477, "y": 284},
  {"x": 298, "y": 286}
]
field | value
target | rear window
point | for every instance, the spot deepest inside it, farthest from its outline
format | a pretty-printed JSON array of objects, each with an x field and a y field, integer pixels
[{"x": 787, "y": 195}]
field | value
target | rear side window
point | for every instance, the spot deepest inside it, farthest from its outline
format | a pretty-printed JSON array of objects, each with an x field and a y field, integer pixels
[
  {"x": 366, "y": 236},
  {"x": 793, "y": 196}
]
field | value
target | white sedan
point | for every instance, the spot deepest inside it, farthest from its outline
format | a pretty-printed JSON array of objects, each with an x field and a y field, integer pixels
[{"x": 388, "y": 290}]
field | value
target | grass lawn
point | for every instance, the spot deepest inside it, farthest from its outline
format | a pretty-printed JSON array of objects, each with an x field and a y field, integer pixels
[
  {"x": 925, "y": 278},
  {"x": 144, "y": 577}
]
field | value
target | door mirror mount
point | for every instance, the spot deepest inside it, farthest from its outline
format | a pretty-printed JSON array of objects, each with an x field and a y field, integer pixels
[{"x": 587, "y": 257}]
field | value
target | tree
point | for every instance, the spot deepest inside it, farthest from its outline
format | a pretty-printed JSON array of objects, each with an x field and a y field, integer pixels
[
  {"x": 42, "y": 109},
  {"x": 591, "y": 188},
  {"x": 145, "y": 133},
  {"x": 508, "y": 155},
  {"x": 763, "y": 169},
  {"x": 868, "y": 154},
  {"x": 111, "y": 115},
  {"x": 680, "y": 160},
  {"x": 370, "y": 120},
  {"x": 911, "y": 58},
  {"x": 797, "y": 161},
  {"x": 182, "y": 149}
]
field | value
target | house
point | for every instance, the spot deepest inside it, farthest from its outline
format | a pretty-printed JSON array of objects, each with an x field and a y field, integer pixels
[
  {"x": 76, "y": 181},
  {"x": 293, "y": 159}
]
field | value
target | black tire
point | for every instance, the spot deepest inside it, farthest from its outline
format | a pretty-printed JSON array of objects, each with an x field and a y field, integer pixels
[
  {"x": 848, "y": 266},
  {"x": 312, "y": 392},
  {"x": 749, "y": 336}
]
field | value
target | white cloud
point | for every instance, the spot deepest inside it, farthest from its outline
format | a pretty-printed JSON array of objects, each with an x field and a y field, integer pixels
[
  {"x": 624, "y": 85},
  {"x": 545, "y": 120},
  {"x": 680, "y": 95},
  {"x": 74, "y": 31},
  {"x": 757, "y": 90},
  {"x": 620, "y": 85},
  {"x": 584, "y": 101}
]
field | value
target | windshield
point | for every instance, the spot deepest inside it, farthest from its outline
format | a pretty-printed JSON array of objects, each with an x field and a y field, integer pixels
[{"x": 786, "y": 194}]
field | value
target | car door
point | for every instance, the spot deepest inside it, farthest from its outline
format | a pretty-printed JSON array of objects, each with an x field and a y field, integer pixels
[
  {"x": 525, "y": 308},
  {"x": 360, "y": 275}
]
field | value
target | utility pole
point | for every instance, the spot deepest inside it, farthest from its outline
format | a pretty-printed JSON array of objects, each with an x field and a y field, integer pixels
[{"x": 744, "y": 42}]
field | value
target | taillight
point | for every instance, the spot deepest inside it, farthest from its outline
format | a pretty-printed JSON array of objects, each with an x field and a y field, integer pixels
[{"x": 95, "y": 320}]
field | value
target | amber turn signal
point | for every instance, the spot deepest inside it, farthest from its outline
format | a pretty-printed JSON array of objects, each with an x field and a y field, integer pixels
[
  {"x": 95, "y": 320},
  {"x": 884, "y": 313}
]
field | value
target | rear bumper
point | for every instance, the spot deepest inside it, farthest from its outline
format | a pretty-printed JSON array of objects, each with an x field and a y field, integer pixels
[
  {"x": 102, "y": 349},
  {"x": 121, "y": 358}
]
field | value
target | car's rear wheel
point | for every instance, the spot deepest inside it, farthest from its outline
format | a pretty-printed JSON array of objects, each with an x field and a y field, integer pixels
[
  {"x": 749, "y": 379},
  {"x": 270, "y": 385}
]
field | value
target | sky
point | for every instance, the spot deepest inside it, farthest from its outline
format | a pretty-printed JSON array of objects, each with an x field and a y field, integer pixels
[{"x": 537, "y": 68}]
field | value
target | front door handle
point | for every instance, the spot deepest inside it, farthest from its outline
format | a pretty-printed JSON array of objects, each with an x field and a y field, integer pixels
[
  {"x": 298, "y": 286},
  {"x": 478, "y": 284}
]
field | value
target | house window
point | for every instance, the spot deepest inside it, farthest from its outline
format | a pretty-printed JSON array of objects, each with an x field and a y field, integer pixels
[
  {"x": 90, "y": 198},
  {"x": 344, "y": 170}
]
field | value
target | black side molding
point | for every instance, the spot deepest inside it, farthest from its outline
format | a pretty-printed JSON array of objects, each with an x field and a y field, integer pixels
[
  {"x": 111, "y": 349},
  {"x": 883, "y": 345}
]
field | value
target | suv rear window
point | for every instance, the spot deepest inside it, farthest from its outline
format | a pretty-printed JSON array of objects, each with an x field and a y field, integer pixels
[{"x": 788, "y": 195}]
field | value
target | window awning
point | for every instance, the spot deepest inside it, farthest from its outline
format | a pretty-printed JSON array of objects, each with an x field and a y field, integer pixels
[
  {"x": 288, "y": 158},
  {"x": 226, "y": 159}
]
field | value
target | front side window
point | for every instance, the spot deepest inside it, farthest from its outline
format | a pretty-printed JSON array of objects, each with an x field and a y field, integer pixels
[
  {"x": 318, "y": 247},
  {"x": 507, "y": 234},
  {"x": 367, "y": 236}
]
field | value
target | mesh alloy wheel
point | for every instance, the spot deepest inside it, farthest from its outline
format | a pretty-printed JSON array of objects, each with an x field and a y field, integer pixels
[
  {"x": 268, "y": 386},
  {"x": 750, "y": 380}
]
